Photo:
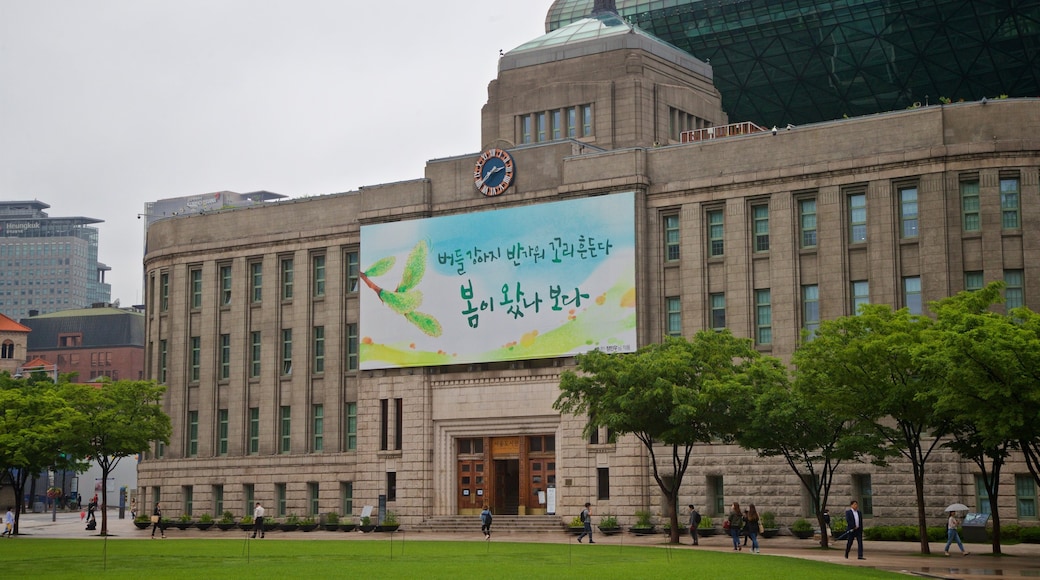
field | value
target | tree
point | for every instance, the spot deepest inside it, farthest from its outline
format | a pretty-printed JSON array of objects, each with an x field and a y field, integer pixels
[
  {"x": 117, "y": 420},
  {"x": 864, "y": 366},
  {"x": 35, "y": 423},
  {"x": 665, "y": 394}
]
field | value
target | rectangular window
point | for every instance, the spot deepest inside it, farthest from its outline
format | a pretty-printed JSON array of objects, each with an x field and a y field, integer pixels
[
  {"x": 557, "y": 125},
  {"x": 1009, "y": 196},
  {"x": 318, "y": 425},
  {"x": 525, "y": 129},
  {"x": 351, "y": 427},
  {"x": 971, "y": 219},
  {"x": 807, "y": 221},
  {"x": 763, "y": 317},
  {"x": 1014, "y": 293},
  {"x": 1025, "y": 497},
  {"x": 671, "y": 238},
  {"x": 811, "y": 308},
  {"x": 196, "y": 358},
  {"x": 249, "y": 495},
  {"x": 287, "y": 279},
  {"x": 716, "y": 493},
  {"x": 586, "y": 120},
  {"x": 603, "y": 483},
  {"x": 912, "y": 294},
  {"x": 222, "y": 432},
  {"x": 346, "y": 492},
  {"x": 254, "y": 354},
  {"x": 674, "y": 317},
  {"x": 572, "y": 122},
  {"x": 279, "y": 499},
  {"x": 189, "y": 499},
  {"x": 254, "y": 430},
  {"x": 312, "y": 499},
  {"x": 195, "y": 277},
  {"x": 860, "y": 295},
  {"x": 319, "y": 349},
  {"x": 352, "y": 346},
  {"x": 318, "y": 275},
  {"x": 164, "y": 292},
  {"x": 285, "y": 431},
  {"x": 981, "y": 496},
  {"x": 162, "y": 361},
  {"x": 391, "y": 486},
  {"x": 857, "y": 218},
  {"x": 718, "y": 311},
  {"x": 225, "y": 356},
  {"x": 256, "y": 281},
  {"x": 539, "y": 124},
  {"x": 716, "y": 244},
  {"x": 908, "y": 211},
  {"x": 863, "y": 488},
  {"x": 398, "y": 423},
  {"x": 973, "y": 281},
  {"x": 193, "y": 433},
  {"x": 218, "y": 500},
  {"x": 353, "y": 271},
  {"x": 760, "y": 225},
  {"x": 384, "y": 424},
  {"x": 225, "y": 285},
  {"x": 286, "y": 351}
]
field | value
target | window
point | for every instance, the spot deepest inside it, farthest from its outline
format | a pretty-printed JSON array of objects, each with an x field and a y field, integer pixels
[
  {"x": 1025, "y": 496},
  {"x": 312, "y": 498},
  {"x": 863, "y": 488},
  {"x": 189, "y": 499},
  {"x": 162, "y": 361},
  {"x": 318, "y": 425},
  {"x": 254, "y": 354},
  {"x": 196, "y": 358},
  {"x": 760, "y": 225},
  {"x": 860, "y": 295},
  {"x": 195, "y": 277},
  {"x": 352, "y": 346},
  {"x": 556, "y": 125},
  {"x": 254, "y": 430},
  {"x": 811, "y": 308},
  {"x": 346, "y": 493},
  {"x": 716, "y": 495},
  {"x": 218, "y": 500},
  {"x": 470, "y": 446},
  {"x": 287, "y": 279},
  {"x": 1009, "y": 194},
  {"x": 603, "y": 483},
  {"x": 973, "y": 281},
  {"x": 971, "y": 221},
  {"x": 398, "y": 423},
  {"x": 716, "y": 244},
  {"x": 857, "y": 218},
  {"x": 912, "y": 294},
  {"x": 249, "y": 495},
  {"x": 222, "y": 433},
  {"x": 7, "y": 350},
  {"x": 671, "y": 238},
  {"x": 256, "y": 281},
  {"x": 981, "y": 496},
  {"x": 353, "y": 270},
  {"x": 391, "y": 486},
  {"x": 718, "y": 310},
  {"x": 164, "y": 292},
  {"x": 384, "y": 424},
  {"x": 193, "y": 433},
  {"x": 225, "y": 356},
  {"x": 572, "y": 122},
  {"x": 540, "y": 443},
  {"x": 279, "y": 499},
  {"x": 1014, "y": 295},
  {"x": 285, "y": 432},
  {"x": 286, "y": 351},
  {"x": 525, "y": 129},
  {"x": 318, "y": 275},
  {"x": 807, "y": 221},
  {"x": 225, "y": 285},
  {"x": 908, "y": 211},
  {"x": 319, "y": 349},
  {"x": 539, "y": 125},
  {"x": 586, "y": 120},
  {"x": 351, "y": 428},
  {"x": 674, "y": 317},
  {"x": 763, "y": 318}
]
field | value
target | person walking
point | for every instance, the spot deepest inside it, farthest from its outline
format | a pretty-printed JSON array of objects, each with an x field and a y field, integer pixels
[
  {"x": 751, "y": 527},
  {"x": 156, "y": 520},
  {"x": 854, "y": 529},
  {"x": 258, "y": 520},
  {"x": 91, "y": 507},
  {"x": 736, "y": 523},
  {"x": 586, "y": 520},
  {"x": 485, "y": 522},
  {"x": 9, "y": 524},
  {"x": 695, "y": 522},
  {"x": 951, "y": 534}
]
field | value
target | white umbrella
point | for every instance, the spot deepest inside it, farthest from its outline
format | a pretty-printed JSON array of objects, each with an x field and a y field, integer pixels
[{"x": 956, "y": 507}]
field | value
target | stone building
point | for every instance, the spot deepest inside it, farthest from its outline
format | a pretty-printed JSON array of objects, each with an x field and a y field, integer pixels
[{"x": 304, "y": 370}]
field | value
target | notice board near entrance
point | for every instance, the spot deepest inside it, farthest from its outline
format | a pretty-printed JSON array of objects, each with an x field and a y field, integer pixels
[{"x": 505, "y": 447}]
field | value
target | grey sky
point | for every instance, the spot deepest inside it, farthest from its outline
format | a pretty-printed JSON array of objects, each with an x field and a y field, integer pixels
[{"x": 108, "y": 104}]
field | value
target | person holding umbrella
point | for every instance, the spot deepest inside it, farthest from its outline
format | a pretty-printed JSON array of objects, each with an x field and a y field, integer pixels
[{"x": 951, "y": 528}]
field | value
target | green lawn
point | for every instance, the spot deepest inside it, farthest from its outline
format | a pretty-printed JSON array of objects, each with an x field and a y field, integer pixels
[{"x": 199, "y": 559}]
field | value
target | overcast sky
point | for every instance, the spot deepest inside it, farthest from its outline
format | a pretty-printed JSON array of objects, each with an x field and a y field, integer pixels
[{"x": 108, "y": 104}]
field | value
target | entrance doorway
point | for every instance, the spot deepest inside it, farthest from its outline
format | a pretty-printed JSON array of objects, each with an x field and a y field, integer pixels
[{"x": 507, "y": 486}]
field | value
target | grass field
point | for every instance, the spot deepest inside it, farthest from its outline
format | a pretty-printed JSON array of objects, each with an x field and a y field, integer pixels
[{"x": 203, "y": 559}]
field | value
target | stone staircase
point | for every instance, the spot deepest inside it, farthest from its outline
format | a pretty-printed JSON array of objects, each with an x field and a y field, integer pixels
[{"x": 501, "y": 525}]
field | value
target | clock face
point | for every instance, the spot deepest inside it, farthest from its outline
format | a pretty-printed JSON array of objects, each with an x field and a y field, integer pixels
[{"x": 494, "y": 172}]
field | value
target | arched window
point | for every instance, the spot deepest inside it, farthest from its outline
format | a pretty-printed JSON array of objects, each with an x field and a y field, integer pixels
[{"x": 7, "y": 349}]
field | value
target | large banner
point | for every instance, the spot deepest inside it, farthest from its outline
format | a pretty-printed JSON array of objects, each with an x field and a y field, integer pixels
[{"x": 546, "y": 280}]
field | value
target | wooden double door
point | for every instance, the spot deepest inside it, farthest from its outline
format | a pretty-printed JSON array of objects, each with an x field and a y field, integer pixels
[{"x": 509, "y": 474}]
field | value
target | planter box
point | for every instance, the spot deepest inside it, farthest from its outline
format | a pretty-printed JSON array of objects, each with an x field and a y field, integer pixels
[
  {"x": 643, "y": 531},
  {"x": 308, "y": 527},
  {"x": 803, "y": 535},
  {"x": 182, "y": 525},
  {"x": 331, "y": 527},
  {"x": 706, "y": 532},
  {"x": 347, "y": 527},
  {"x": 143, "y": 525},
  {"x": 609, "y": 531},
  {"x": 204, "y": 525},
  {"x": 368, "y": 528},
  {"x": 388, "y": 528},
  {"x": 770, "y": 532},
  {"x": 244, "y": 526},
  {"x": 286, "y": 527},
  {"x": 226, "y": 526},
  {"x": 575, "y": 530}
]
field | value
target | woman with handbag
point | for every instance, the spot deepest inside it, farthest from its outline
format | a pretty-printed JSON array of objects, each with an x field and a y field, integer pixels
[
  {"x": 736, "y": 523},
  {"x": 156, "y": 519}
]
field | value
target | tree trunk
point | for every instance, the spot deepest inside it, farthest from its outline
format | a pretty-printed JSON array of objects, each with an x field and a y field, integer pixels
[{"x": 922, "y": 523}]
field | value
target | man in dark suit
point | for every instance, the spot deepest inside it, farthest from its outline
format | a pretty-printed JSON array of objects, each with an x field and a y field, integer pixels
[{"x": 854, "y": 529}]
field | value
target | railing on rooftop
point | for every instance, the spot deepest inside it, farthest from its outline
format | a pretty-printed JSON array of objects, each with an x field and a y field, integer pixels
[{"x": 731, "y": 130}]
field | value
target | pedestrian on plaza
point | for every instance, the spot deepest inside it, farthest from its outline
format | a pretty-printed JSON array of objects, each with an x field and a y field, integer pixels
[
  {"x": 951, "y": 534},
  {"x": 746, "y": 532},
  {"x": 586, "y": 520},
  {"x": 91, "y": 507},
  {"x": 736, "y": 523},
  {"x": 751, "y": 527},
  {"x": 9, "y": 525},
  {"x": 695, "y": 522},
  {"x": 854, "y": 527},
  {"x": 826, "y": 524},
  {"x": 258, "y": 520},
  {"x": 157, "y": 521},
  {"x": 485, "y": 522},
  {"x": 133, "y": 508}
]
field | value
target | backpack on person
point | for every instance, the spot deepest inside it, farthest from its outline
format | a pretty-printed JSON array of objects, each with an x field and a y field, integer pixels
[
  {"x": 584, "y": 516},
  {"x": 697, "y": 518}
]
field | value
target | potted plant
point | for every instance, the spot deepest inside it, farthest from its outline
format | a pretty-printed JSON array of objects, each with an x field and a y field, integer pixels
[
  {"x": 291, "y": 523},
  {"x": 802, "y": 529},
  {"x": 246, "y": 523},
  {"x": 707, "y": 527},
  {"x": 608, "y": 525},
  {"x": 226, "y": 521},
  {"x": 769, "y": 525},
  {"x": 682, "y": 527},
  {"x": 347, "y": 524},
  {"x": 576, "y": 526},
  {"x": 308, "y": 524},
  {"x": 390, "y": 523},
  {"x": 838, "y": 527},
  {"x": 366, "y": 524},
  {"x": 205, "y": 522},
  {"x": 143, "y": 521},
  {"x": 184, "y": 522},
  {"x": 331, "y": 522},
  {"x": 644, "y": 524}
]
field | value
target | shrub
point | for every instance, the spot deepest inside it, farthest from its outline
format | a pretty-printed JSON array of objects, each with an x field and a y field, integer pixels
[
  {"x": 390, "y": 519},
  {"x": 801, "y": 525},
  {"x": 576, "y": 523},
  {"x": 1030, "y": 534},
  {"x": 644, "y": 520},
  {"x": 903, "y": 533},
  {"x": 706, "y": 522},
  {"x": 292, "y": 519},
  {"x": 332, "y": 518},
  {"x": 839, "y": 525},
  {"x": 608, "y": 521},
  {"x": 227, "y": 518},
  {"x": 185, "y": 518},
  {"x": 768, "y": 520},
  {"x": 206, "y": 519},
  {"x": 247, "y": 519}
]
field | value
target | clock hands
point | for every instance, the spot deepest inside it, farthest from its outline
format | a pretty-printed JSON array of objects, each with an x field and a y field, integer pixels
[{"x": 493, "y": 171}]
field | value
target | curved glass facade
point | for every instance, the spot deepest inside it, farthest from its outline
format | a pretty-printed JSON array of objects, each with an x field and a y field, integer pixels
[{"x": 802, "y": 61}]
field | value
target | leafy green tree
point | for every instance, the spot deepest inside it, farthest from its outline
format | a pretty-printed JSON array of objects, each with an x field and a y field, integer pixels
[
  {"x": 864, "y": 367},
  {"x": 666, "y": 394},
  {"x": 117, "y": 420}
]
